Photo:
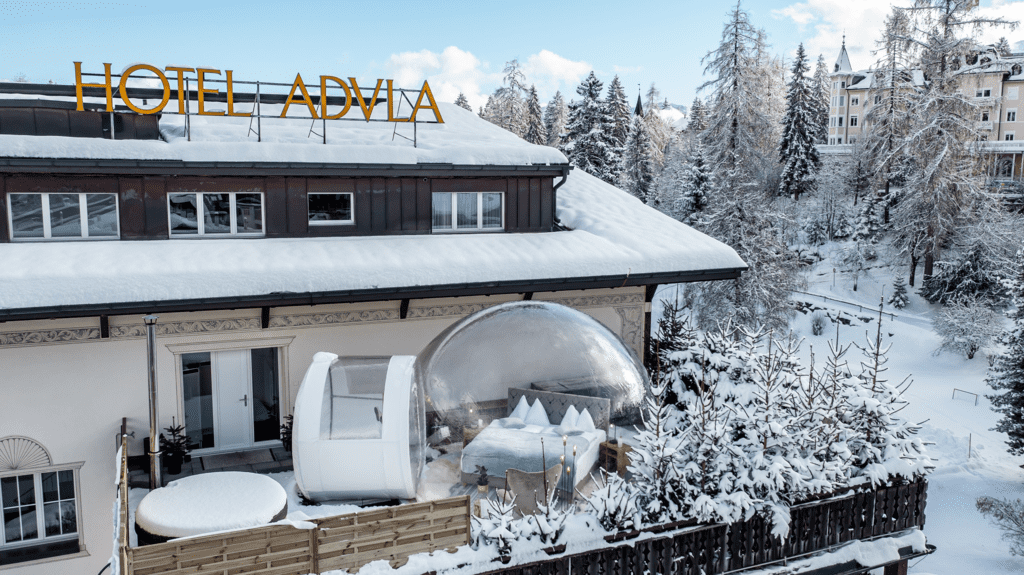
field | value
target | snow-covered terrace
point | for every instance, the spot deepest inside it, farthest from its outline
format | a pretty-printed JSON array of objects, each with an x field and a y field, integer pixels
[{"x": 610, "y": 233}]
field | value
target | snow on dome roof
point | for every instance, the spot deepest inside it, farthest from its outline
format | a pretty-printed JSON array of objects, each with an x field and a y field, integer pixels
[
  {"x": 528, "y": 345},
  {"x": 463, "y": 139},
  {"x": 603, "y": 241}
]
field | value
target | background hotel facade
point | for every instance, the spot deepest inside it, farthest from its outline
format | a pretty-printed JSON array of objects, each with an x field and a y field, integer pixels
[
  {"x": 997, "y": 90},
  {"x": 256, "y": 255}
]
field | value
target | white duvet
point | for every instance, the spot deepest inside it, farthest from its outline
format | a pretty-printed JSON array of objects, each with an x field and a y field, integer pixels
[{"x": 508, "y": 444}]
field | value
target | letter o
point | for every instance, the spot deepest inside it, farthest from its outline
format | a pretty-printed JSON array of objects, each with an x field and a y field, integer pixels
[{"x": 124, "y": 89}]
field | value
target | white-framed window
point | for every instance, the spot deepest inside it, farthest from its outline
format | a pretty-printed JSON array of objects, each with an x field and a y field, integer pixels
[
  {"x": 878, "y": 99},
  {"x": 63, "y": 216},
  {"x": 1008, "y": 136},
  {"x": 327, "y": 209},
  {"x": 215, "y": 214},
  {"x": 835, "y": 85},
  {"x": 839, "y": 141},
  {"x": 983, "y": 93},
  {"x": 984, "y": 116},
  {"x": 831, "y": 141},
  {"x": 842, "y": 101},
  {"x": 842, "y": 85},
  {"x": 835, "y": 100},
  {"x": 853, "y": 121},
  {"x": 1011, "y": 115},
  {"x": 1012, "y": 93},
  {"x": 42, "y": 517},
  {"x": 467, "y": 211},
  {"x": 854, "y": 100},
  {"x": 839, "y": 121}
]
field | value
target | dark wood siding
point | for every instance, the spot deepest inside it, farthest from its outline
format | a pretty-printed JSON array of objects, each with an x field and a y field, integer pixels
[{"x": 380, "y": 205}]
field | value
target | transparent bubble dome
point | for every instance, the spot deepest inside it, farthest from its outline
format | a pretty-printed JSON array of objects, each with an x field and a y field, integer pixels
[{"x": 466, "y": 371}]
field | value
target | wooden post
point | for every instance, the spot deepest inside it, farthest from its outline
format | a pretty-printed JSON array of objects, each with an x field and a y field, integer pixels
[{"x": 899, "y": 568}]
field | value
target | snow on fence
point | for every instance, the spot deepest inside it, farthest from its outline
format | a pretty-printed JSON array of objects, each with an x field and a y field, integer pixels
[
  {"x": 340, "y": 542},
  {"x": 720, "y": 548}
]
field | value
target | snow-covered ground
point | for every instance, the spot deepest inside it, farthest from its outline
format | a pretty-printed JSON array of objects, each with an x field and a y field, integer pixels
[{"x": 966, "y": 541}]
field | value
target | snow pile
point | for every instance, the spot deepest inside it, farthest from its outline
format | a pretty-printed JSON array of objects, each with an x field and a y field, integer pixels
[
  {"x": 211, "y": 502},
  {"x": 603, "y": 241}
]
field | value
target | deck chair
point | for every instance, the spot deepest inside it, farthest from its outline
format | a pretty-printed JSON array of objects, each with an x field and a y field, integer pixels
[{"x": 528, "y": 488}]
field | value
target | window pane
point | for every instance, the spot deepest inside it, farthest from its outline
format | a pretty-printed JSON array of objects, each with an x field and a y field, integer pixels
[
  {"x": 67, "y": 484},
  {"x": 102, "y": 209},
  {"x": 50, "y": 487},
  {"x": 9, "y": 487},
  {"x": 184, "y": 216},
  {"x": 27, "y": 490},
  {"x": 12, "y": 525},
  {"x": 27, "y": 215},
  {"x": 51, "y": 519},
  {"x": 68, "y": 517},
  {"x": 265, "y": 404},
  {"x": 216, "y": 214},
  {"x": 65, "y": 216},
  {"x": 29, "y": 529},
  {"x": 442, "y": 209},
  {"x": 197, "y": 383},
  {"x": 492, "y": 210},
  {"x": 330, "y": 207},
  {"x": 249, "y": 213},
  {"x": 467, "y": 210}
]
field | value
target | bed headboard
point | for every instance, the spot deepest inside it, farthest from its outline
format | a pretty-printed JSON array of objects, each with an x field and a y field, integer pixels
[{"x": 556, "y": 404}]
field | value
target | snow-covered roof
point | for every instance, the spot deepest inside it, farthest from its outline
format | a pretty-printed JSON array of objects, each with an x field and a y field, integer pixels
[
  {"x": 843, "y": 62},
  {"x": 463, "y": 139},
  {"x": 611, "y": 233}
]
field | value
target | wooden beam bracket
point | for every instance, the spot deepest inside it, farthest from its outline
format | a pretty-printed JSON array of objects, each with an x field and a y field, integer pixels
[{"x": 265, "y": 317}]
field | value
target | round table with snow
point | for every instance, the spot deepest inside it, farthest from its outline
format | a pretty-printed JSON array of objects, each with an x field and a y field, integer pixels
[{"x": 207, "y": 503}]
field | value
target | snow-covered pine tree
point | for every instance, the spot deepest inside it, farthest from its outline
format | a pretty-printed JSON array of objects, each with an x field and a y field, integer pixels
[
  {"x": 797, "y": 153},
  {"x": 899, "y": 298},
  {"x": 509, "y": 102},
  {"x": 620, "y": 112},
  {"x": 697, "y": 183},
  {"x": 587, "y": 141},
  {"x": 490, "y": 112},
  {"x": 655, "y": 462},
  {"x": 1002, "y": 47},
  {"x": 698, "y": 121},
  {"x": 884, "y": 445},
  {"x": 556, "y": 115},
  {"x": 659, "y": 131},
  {"x": 536, "y": 133},
  {"x": 866, "y": 228},
  {"x": 820, "y": 85},
  {"x": 636, "y": 162},
  {"x": 462, "y": 102},
  {"x": 1006, "y": 376}
]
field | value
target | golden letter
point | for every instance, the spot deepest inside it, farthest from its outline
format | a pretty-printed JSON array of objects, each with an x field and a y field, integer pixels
[
  {"x": 181, "y": 85},
  {"x": 432, "y": 106},
  {"x": 367, "y": 110},
  {"x": 79, "y": 85},
  {"x": 124, "y": 89},
  {"x": 391, "y": 106},
  {"x": 305, "y": 98},
  {"x": 323, "y": 97},
  {"x": 231, "y": 98},
  {"x": 200, "y": 76}
]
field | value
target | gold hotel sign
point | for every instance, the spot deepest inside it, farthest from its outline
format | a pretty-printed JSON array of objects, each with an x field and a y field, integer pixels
[{"x": 351, "y": 94}]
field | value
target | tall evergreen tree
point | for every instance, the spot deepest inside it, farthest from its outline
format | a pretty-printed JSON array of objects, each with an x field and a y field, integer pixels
[
  {"x": 698, "y": 118},
  {"x": 638, "y": 169},
  {"x": 556, "y": 115},
  {"x": 658, "y": 129},
  {"x": 509, "y": 101},
  {"x": 618, "y": 109},
  {"x": 796, "y": 151},
  {"x": 588, "y": 143},
  {"x": 462, "y": 102},
  {"x": 697, "y": 184},
  {"x": 536, "y": 133},
  {"x": 1007, "y": 373},
  {"x": 820, "y": 86}
]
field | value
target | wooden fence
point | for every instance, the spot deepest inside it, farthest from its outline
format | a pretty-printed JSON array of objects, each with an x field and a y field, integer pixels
[
  {"x": 122, "y": 505},
  {"x": 339, "y": 542},
  {"x": 720, "y": 548}
]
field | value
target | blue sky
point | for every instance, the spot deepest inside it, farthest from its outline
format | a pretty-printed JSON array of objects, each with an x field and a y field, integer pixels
[{"x": 458, "y": 46}]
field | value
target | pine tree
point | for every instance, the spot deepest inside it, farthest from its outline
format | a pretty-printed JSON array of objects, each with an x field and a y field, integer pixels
[
  {"x": 899, "y": 298},
  {"x": 509, "y": 104},
  {"x": 637, "y": 166},
  {"x": 820, "y": 86},
  {"x": 698, "y": 118},
  {"x": 659, "y": 131},
  {"x": 697, "y": 183},
  {"x": 620, "y": 112},
  {"x": 866, "y": 228},
  {"x": 462, "y": 102},
  {"x": 489, "y": 111},
  {"x": 587, "y": 142},
  {"x": 1007, "y": 373},
  {"x": 796, "y": 151},
  {"x": 655, "y": 462},
  {"x": 556, "y": 115},
  {"x": 535, "y": 130},
  {"x": 1002, "y": 47}
]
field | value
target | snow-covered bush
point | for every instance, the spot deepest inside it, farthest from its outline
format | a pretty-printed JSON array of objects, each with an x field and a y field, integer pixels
[
  {"x": 497, "y": 525},
  {"x": 966, "y": 325},
  {"x": 818, "y": 323},
  {"x": 1008, "y": 516},
  {"x": 654, "y": 461},
  {"x": 614, "y": 503},
  {"x": 899, "y": 299},
  {"x": 548, "y": 524}
]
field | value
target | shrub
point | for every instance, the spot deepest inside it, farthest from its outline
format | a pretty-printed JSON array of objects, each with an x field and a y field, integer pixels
[{"x": 818, "y": 323}]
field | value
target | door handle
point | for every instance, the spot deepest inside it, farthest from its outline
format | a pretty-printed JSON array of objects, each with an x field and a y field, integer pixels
[{"x": 245, "y": 399}]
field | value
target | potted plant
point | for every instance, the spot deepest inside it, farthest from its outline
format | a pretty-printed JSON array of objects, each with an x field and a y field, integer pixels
[
  {"x": 483, "y": 480},
  {"x": 175, "y": 448}
]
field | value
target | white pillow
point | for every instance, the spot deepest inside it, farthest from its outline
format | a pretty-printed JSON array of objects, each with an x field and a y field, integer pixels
[
  {"x": 522, "y": 408},
  {"x": 512, "y": 423},
  {"x": 537, "y": 415},
  {"x": 585, "y": 422},
  {"x": 570, "y": 418}
]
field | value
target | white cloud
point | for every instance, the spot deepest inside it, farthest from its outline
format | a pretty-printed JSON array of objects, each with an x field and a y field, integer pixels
[
  {"x": 453, "y": 71},
  {"x": 862, "y": 22},
  {"x": 626, "y": 69}
]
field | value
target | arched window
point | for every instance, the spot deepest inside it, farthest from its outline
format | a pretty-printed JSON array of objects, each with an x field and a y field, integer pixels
[{"x": 40, "y": 504}]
